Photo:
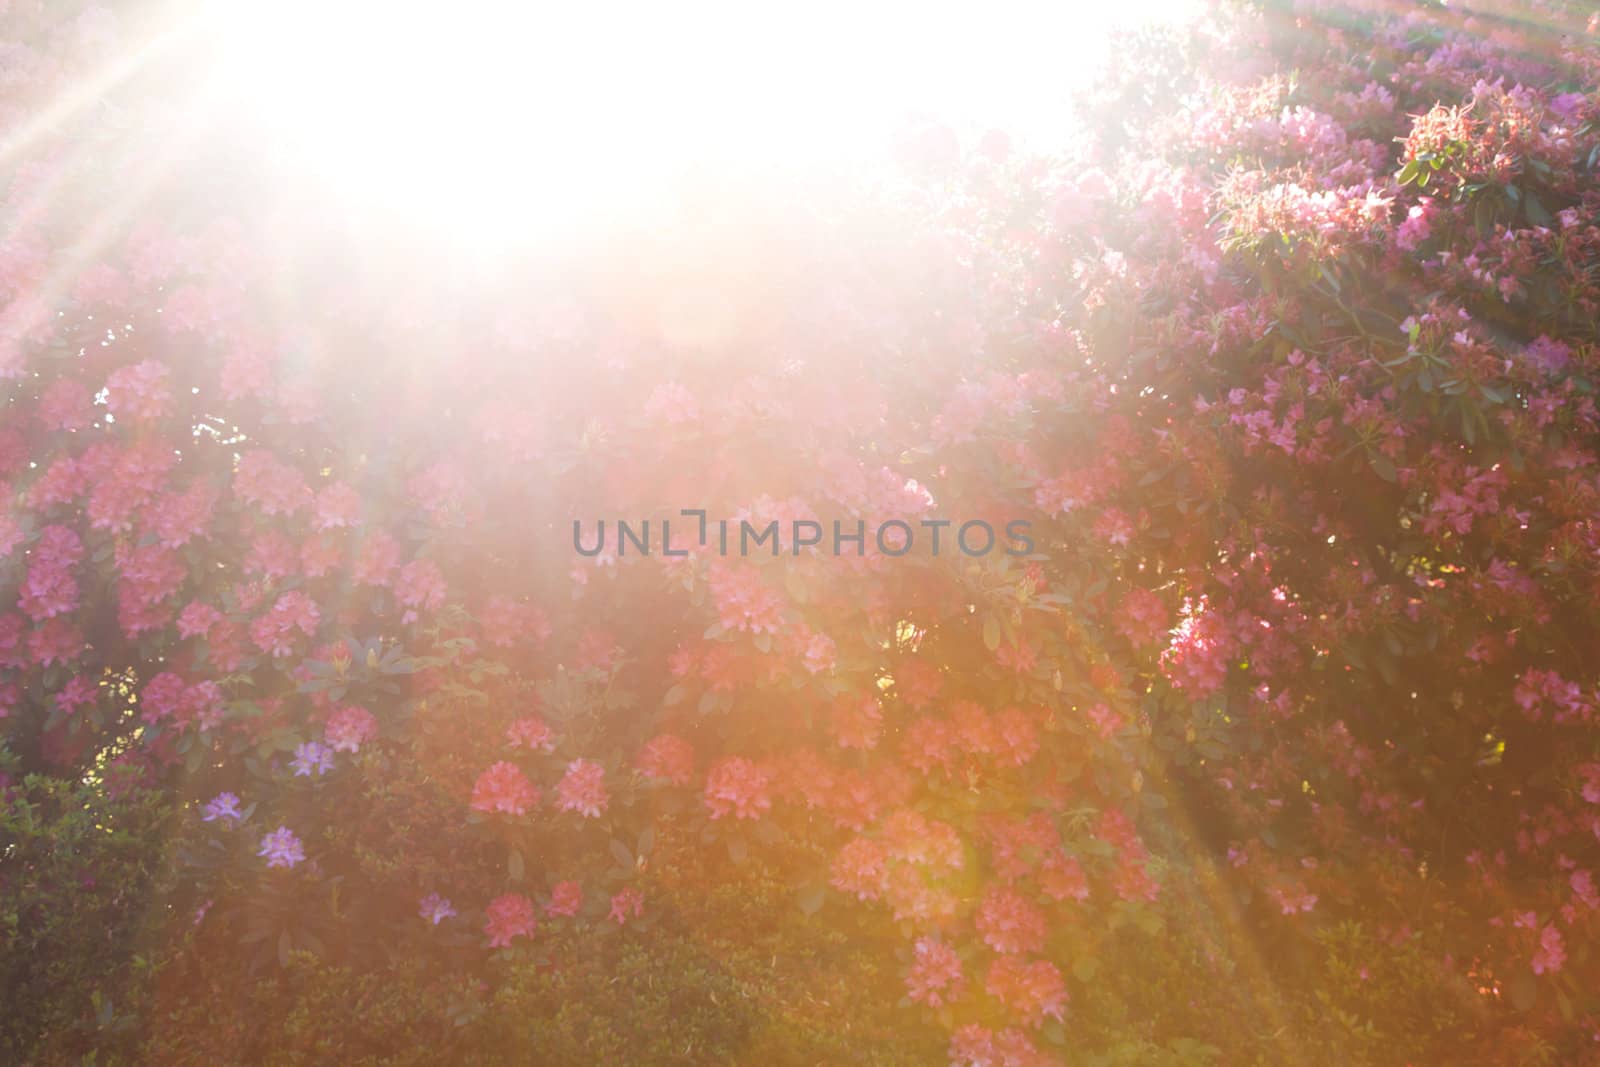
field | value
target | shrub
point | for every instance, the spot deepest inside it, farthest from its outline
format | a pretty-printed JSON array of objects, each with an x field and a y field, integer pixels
[{"x": 1264, "y": 732}]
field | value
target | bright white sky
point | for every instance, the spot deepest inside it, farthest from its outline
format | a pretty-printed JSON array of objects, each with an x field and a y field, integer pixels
[{"x": 473, "y": 110}]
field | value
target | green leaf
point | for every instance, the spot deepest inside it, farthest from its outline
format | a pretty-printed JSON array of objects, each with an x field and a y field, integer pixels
[
  {"x": 514, "y": 865},
  {"x": 1384, "y": 468},
  {"x": 810, "y": 896},
  {"x": 1537, "y": 213},
  {"x": 991, "y": 633},
  {"x": 1524, "y": 991},
  {"x": 1483, "y": 217}
]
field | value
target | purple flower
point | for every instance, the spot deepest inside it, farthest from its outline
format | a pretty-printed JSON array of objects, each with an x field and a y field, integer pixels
[
  {"x": 1566, "y": 105},
  {"x": 281, "y": 848},
  {"x": 435, "y": 908},
  {"x": 1549, "y": 356},
  {"x": 223, "y": 806},
  {"x": 312, "y": 757}
]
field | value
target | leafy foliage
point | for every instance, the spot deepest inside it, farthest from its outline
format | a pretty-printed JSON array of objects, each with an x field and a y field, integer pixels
[{"x": 322, "y": 743}]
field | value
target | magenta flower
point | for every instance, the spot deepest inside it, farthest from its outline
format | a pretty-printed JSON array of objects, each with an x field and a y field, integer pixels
[
  {"x": 583, "y": 789},
  {"x": 627, "y": 904}
]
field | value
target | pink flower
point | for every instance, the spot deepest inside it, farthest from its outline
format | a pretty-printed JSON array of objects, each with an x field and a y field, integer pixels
[
  {"x": 1293, "y": 899},
  {"x": 929, "y": 743},
  {"x": 736, "y": 786},
  {"x": 320, "y": 555},
  {"x": 151, "y": 574},
  {"x": 197, "y": 619},
  {"x": 1114, "y": 527},
  {"x": 596, "y": 651},
  {"x": 1142, "y": 617},
  {"x": 935, "y": 978},
  {"x": 566, "y": 899},
  {"x": 973, "y": 1045},
  {"x": 419, "y": 587},
  {"x": 245, "y": 372},
  {"x": 12, "y": 644},
  {"x": 49, "y": 588},
  {"x": 1009, "y": 922},
  {"x": 532, "y": 733},
  {"x": 504, "y": 788},
  {"x": 509, "y": 916},
  {"x": 350, "y": 727},
  {"x": 1197, "y": 659},
  {"x": 1416, "y": 228},
  {"x": 201, "y": 705},
  {"x": 161, "y": 696},
  {"x": 272, "y": 556},
  {"x": 857, "y": 722},
  {"x": 78, "y": 692},
  {"x": 744, "y": 601},
  {"x": 66, "y": 405},
  {"x": 263, "y": 481},
  {"x": 178, "y": 518},
  {"x": 628, "y": 904},
  {"x": 376, "y": 560},
  {"x": 1105, "y": 719},
  {"x": 583, "y": 789},
  {"x": 274, "y": 632},
  {"x": 1552, "y": 953},
  {"x": 1590, "y": 773},
  {"x": 47, "y": 591},
  {"x": 862, "y": 869},
  {"x": 667, "y": 757},
  {"x": 1583, "y": 888},
  {"x": 337, "y": 506},
  {"x": 973, "y": 728},
  {"x": 55, "y": 642},
  {"x": 505, "y": 621},
  {"x": 918, "y": 682},
  {"x": 819, "y": 654},
  {"x": 1061, "y": 877},
  {"x": 139, "y": 390},
  {"x": 1017, "y": 655},
  {"x": 1033, "y": 991},
  {"x": 1018, "y": 737}
]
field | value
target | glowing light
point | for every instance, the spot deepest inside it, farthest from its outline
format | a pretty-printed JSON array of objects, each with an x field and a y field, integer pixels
[{"x": 488, "y": 116}]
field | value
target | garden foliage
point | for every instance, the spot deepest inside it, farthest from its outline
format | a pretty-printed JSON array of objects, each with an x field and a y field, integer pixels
[{"x": 321, "y": 744}]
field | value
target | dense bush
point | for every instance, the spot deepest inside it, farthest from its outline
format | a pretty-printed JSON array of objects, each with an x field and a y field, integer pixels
[
  {"x": 324, "y": 744},
  {"x": 83, "y": 865}
]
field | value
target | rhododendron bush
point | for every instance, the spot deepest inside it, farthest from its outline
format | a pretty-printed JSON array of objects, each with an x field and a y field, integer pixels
[{"x": 323, "y": 743}]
